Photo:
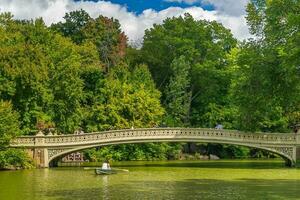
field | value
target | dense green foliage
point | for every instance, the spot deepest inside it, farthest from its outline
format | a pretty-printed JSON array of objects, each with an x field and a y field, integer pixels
[
  {"x": 178, "y": 97},
  {"x": 205, "y": 46},
  {"x": 9, "y": 124},
  {"x": 80, "y": 73},
  {"x": 127, "y": 99},
  {"x": 267, "y": 90},
  {"x": 9, "y": 128},
  {"x": 103, "y": 32},
  {"x": 15, "y": 159},
  {"x": 149, "y": 151},
  {"x": 41, "y": 71}
]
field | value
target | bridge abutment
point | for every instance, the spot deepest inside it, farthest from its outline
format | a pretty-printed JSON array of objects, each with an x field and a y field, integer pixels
[
  {"x": 39, "y": 154},
  {"x": 297, "y": 151},
  {"x": 40, "y": 157},
  {"x": 298, "y": 157}
]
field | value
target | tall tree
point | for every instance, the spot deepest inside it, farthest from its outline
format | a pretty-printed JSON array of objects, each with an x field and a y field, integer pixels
[
  {"x": 127, "y": 101},
  {"x": 110, "y": 41},
  {"x": 9, "y": 124},
  {"x": 178, "y": 95},
  {"x": 269, "y": 86},
  {"x": 73, "y": 25},
  {"x": 105, "y": 33},
  {"x": 205, "y": 46},
  {"x": 41, "y": 70}
]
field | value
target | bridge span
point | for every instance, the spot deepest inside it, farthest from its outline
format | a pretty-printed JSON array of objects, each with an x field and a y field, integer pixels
[{"x": 45, "y": 149}]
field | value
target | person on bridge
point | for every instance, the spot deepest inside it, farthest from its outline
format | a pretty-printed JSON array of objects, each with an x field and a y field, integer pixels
[
  {"x": 106, "y": 165},
  {"x": 219, "y": 126}
]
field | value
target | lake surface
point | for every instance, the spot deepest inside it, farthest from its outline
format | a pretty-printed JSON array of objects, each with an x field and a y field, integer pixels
[{"x": 157, "y": 180}]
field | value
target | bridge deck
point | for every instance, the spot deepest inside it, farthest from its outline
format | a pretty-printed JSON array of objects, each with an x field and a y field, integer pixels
[
  {"x": 284, "y": 144},
  {"x": 227, "y": 135}
]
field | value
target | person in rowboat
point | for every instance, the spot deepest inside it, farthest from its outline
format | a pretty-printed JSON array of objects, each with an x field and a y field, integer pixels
[{"x": 106, "y": 165}]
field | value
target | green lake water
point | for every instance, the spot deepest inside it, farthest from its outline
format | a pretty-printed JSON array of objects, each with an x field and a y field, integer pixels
[{"x": 157, "y": 180}]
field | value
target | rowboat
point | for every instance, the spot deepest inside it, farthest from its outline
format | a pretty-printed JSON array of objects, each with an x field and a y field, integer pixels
[{"x": 100, "y": 171}]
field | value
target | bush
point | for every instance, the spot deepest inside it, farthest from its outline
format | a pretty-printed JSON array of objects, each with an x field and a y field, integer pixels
[{"x": 15, "y": 159}]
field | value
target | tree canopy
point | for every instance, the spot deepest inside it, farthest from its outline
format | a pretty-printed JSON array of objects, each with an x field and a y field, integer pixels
[
  {"x": 267, "y": 90},
  {"x": 81, "y": 73},
  {"x": 205, "y": 46}
]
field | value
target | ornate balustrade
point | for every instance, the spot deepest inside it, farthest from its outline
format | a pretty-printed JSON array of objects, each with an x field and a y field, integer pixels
[
  {"x": 46, "y": 148},
  {"x": 214, "y": 134}
]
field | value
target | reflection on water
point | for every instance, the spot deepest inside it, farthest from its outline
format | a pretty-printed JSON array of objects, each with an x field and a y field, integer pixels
[
  {"x": 157, "y": 180},
  {"x": 105, "y": 187}
]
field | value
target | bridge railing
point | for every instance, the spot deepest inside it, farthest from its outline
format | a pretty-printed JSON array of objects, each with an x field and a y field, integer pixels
[{"x": 157, "y": 133}]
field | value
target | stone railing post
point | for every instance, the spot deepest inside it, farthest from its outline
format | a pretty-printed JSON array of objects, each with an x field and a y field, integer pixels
[
  {"x": 40, "y": 154},
  {"x": 297, "y": 151}
]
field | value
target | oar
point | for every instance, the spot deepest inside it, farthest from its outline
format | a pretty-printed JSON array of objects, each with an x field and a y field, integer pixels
[
  {"x": 118, "y": 169},
  {"x": 90, "y": 168}
]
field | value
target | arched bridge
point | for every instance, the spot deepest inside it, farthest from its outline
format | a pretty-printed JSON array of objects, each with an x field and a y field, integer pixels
[{"x": 45, "y": 149}]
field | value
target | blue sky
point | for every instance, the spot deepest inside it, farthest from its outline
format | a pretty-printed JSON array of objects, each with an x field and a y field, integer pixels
[
  {"x": 135, "y": 16},
  {"x": 138, "y": 6}
]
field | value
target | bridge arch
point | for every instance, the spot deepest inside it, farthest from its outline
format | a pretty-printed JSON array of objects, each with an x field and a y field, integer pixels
[
  {"x": 45, "y": 149},
  {"x": 288, "y": 160}
]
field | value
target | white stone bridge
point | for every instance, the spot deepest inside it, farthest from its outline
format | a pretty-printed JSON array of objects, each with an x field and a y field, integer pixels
[{"x": 46, "y": 149}]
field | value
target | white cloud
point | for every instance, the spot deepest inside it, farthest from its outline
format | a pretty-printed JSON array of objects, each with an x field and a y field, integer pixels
[
  {"x": 190, "y": 2},
  {"x": 133, "y": 25},
  {"x": 229, "y": 7}
]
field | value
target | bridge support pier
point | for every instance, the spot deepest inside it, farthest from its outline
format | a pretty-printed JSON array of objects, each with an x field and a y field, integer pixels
[
  {"x": 39, "y": 156},
  {"x": 298, "y": 156},
  {"x": 297, "y": 150}
]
